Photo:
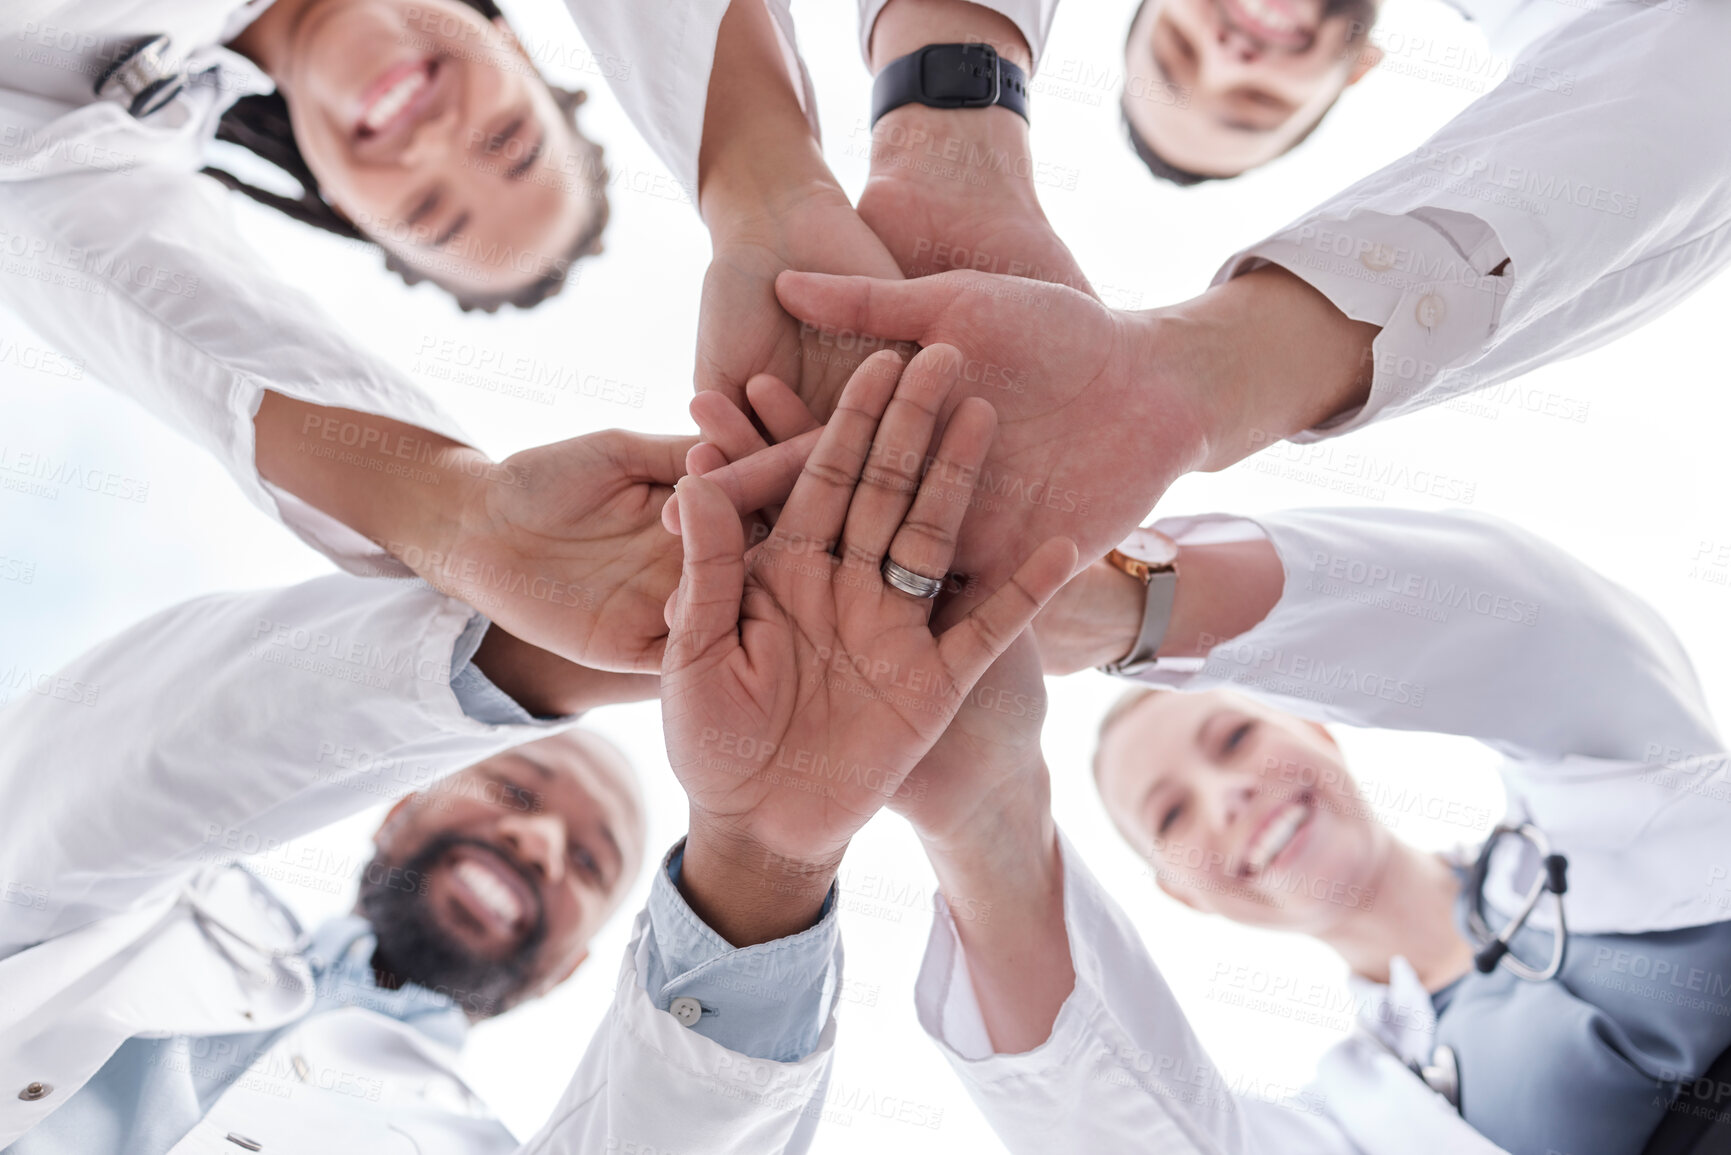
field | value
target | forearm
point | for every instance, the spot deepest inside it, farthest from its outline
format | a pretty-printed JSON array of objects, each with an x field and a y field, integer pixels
[
  {"x": 1224, "y": 589},
  {"x": 747, "y": 892},
  {"x": 547, "y": 685},
  {"x": 758, "y": 151},
  {"x": 903, "y": 26},
  {"x": 396, "y": 484},
  {"x": 1005, "y": 891},
  {"x": 1267, "y": 355}
]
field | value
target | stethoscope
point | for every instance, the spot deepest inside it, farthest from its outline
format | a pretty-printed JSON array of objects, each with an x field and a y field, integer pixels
[
  {"x": 1442, "y": 1074},
  {"x": 1552, "y": 878}
]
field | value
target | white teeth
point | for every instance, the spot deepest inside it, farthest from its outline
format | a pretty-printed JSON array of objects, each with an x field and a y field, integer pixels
[
  {"x": 1268, "y": 16},
  {"x": 1275, "y": 836},
  {"x": 494, "y": 894},
  {"x": 393, "y": 100}
]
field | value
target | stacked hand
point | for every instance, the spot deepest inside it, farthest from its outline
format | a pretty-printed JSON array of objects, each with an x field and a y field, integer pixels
[{"x": 799, "y": 690}]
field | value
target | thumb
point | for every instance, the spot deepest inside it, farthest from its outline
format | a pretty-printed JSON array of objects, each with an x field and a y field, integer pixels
[
  {"x": 890, "y": 310},
  {"x": 704, "y": 612}
]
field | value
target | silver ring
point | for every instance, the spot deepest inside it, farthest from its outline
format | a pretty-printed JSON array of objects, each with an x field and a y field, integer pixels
[{"x": 910, "y": 583}]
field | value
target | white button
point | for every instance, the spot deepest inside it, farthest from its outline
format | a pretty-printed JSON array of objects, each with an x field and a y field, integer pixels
[
  {"x": 1378, "y": 258},
  {"x": 1431, "y": 311},
  {"x": 687, "y": 1011}
]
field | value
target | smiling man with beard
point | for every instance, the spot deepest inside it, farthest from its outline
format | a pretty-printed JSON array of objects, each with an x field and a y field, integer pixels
[{"x": 489, "y": 887}]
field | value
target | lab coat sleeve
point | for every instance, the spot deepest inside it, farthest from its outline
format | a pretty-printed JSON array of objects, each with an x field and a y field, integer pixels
[
  {"x": 1122, "y": 1073},
  {"x": 1456, "y": 623},
  {"x": 648, "y": 1084},
  {"x": 140, "y": 277},
  {"x": 1571, "y": 204},
  {"x": 221, "y": 727}
]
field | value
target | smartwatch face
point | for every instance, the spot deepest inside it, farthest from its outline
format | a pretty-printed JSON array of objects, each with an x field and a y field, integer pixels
[
  {"x": 1149, "y": 546},
  {"x": 965, "y": 76}
]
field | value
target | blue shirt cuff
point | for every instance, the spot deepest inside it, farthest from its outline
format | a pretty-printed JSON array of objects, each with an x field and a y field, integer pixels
[
  {"x": 768, "y": 1001},
  {"x": 476, "y": 694}
]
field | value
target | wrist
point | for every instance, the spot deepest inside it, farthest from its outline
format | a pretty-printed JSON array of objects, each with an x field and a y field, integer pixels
[
  {"x": 548, "y": 686},
  {"x": 1265, "y": 356},
  {"x": 997, "y": 875},
  {"x": 905, "y": 26},
  {"x": 1002, "y": 840},
  {"x": 1093, "y": 621},
  {"x": 747, "y": 891}
]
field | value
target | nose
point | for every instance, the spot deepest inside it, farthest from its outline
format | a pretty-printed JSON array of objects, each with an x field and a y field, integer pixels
[
  {"x": 1231, "y": 798},
  {"x": 538, "y": 840},
  {"x": 1238, "y": 45},
  {"x": 433, "y": 141}
]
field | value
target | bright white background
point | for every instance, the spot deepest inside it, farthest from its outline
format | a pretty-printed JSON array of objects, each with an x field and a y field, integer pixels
[{"x": 1636, "y": 490}]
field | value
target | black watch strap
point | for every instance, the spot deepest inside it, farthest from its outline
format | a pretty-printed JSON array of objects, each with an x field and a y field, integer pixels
[{"x": 951, "y": 76}]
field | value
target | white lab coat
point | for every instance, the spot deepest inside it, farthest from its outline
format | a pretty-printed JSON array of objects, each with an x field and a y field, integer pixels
[
  {"x": 237, "y": 722},
  {"x": 119, "y": 254},
  {"x": 1609, "y": 749},
  {"x": 1583, "y": 171}
]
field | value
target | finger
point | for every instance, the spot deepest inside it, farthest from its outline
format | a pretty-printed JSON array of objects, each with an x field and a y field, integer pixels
[
  {"x": 725, "y": 427},
  {"x": 759, "y": 481},
  {"x": 779, "y": 408},
  {"x": 971, "y": 645},
  {"x": 705, "y": 610},
  {"x": 817, "y": 507},
  {"x": 899, "y": 453},
  {"x": 925, "y": 539},
  {"x": 890, "y": 310},
  {"x": 704, "y": 458},
  {"x": 657, "y": 459}
]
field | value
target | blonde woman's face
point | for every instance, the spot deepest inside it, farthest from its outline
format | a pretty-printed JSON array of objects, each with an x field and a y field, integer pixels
[{"x": 1242, "y": 810}]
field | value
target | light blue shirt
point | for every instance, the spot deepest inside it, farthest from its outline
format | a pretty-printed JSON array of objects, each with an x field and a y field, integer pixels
[{"x": 768, "y": 1001}]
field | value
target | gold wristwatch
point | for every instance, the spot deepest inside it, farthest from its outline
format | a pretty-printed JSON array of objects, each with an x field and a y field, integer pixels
[{"x": 1151, "y": 558}]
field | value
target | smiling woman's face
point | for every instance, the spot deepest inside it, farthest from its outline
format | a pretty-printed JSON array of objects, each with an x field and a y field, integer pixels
[
  {"x": 1217, "y": 87},
  {"x": 1243, "y": 810},
  {"x": 428, "y": 127}
]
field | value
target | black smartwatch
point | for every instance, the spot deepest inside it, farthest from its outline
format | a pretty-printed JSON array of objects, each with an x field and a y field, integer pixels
[{"x": 951, "y": 76}]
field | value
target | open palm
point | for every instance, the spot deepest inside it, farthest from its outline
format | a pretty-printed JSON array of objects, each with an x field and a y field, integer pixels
[{"x": 799, "y": 690}]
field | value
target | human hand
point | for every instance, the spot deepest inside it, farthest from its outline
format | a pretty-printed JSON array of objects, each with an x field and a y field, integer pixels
[
  {"x": 562, "y": 546},
  {"x": 1092, "y": 427},
  {"x": 798, "y": 689}
]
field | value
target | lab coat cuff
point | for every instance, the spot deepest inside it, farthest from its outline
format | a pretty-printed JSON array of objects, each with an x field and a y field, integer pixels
[
  {"x": 476, "y": 693},
  {"x": 768, "y": 1001},
  {"x": 1425, "y": 278},
  {"x": 949, "y": 1010}
]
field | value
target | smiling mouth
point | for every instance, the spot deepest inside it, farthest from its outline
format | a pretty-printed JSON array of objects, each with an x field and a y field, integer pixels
[
  {"x": 1270, "y": 21},
  {"x": 395, "y": 96},
  {"x": 1276, "y": 835},
  {"x": 492, "y": 894}
]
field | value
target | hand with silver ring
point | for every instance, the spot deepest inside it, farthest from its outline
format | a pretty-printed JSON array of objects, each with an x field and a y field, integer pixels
[{"x": 800, "y": 687}]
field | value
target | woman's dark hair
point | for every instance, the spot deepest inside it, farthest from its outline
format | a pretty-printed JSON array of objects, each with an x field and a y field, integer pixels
[{"x": 261, "y": 125}]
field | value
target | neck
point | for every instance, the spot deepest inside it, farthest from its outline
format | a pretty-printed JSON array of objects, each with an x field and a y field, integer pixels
[
  {"x": 266, "y": 40},
  {"x": 1412, "y": 914}
]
